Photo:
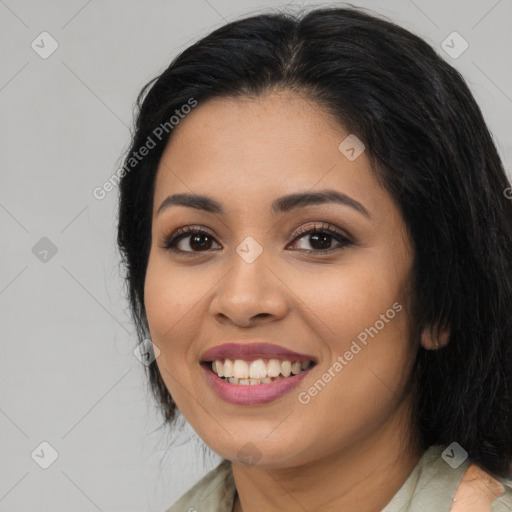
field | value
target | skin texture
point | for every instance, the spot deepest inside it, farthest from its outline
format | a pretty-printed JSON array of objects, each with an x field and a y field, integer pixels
[
  {"x": 356, "y": 433},
  {"x": 476, "y": 492}
]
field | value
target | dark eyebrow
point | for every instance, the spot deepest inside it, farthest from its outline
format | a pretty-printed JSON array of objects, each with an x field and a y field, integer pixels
[
  {"x": 301, "y": 199},
  {"x": 281, "y": 205}
]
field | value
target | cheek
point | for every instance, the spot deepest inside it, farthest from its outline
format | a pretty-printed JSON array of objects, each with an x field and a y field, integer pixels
[
  {"x": 171, "y": 301},
  {"x": 168, "y": 295},
  {"x": 346, "y": 300},
  {"x": 368, "y": 363},
  {"x": 359, "y": 312},
  {"x": 172, "y": 304}
]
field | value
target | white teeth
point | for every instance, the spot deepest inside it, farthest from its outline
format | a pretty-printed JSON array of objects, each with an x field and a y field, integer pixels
[
  {"x": 296, "y": 367},
  {"x": 240, "y": 369},
  {"x": 286, "y": 368},
  {"x": 254, "y": 372},
  {"x": 218, "y": 368},
  {"x": 273, "y": 368},
  {"x": 258, "y": 369},
  {"x": 228, "y": 368},
  {"x": 253, "y": 382}
]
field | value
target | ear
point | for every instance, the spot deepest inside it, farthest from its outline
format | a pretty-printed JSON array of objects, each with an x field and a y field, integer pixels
[{"x": 430, "y": 342}]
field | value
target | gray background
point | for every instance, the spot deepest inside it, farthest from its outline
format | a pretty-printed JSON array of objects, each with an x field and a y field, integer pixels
[{"x": 68, "y": 375}]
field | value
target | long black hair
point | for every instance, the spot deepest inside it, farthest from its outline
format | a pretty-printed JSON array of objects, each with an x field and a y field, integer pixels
[{"x": 429, "y": 147}]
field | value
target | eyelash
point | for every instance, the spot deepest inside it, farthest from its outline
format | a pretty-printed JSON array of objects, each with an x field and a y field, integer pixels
[{"x": 326, "y": 228}]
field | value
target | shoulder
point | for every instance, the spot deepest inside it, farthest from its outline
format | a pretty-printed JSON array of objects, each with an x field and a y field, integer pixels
[
  {"x": 479, "y": 491},
  {"x": 215, "y": 492},
  {"x": 443, "y": 481}
]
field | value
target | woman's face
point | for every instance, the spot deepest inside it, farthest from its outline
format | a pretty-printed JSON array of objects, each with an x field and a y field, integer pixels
[{"x": 338, "y": 298}]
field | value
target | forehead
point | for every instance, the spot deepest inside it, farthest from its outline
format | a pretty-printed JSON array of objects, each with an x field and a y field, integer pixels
[
  {"x": 282, "y": 121},
  {"x": 249, "y": 149}
]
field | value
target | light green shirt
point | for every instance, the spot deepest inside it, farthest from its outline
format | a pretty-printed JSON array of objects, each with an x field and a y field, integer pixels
[{"x": 430, "y": 487}]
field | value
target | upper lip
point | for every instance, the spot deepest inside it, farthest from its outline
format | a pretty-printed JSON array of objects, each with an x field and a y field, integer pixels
[{"x": 252, "y": 351}]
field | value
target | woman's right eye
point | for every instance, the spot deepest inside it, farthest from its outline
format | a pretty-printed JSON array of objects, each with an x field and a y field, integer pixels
[{"x": 198, "y": 239}]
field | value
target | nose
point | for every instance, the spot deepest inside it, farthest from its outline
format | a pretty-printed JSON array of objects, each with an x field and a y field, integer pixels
[{"x": 248, "y": 293}]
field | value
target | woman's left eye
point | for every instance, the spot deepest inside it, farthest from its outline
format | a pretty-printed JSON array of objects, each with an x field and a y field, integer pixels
[{"x": 320, "y": 238}]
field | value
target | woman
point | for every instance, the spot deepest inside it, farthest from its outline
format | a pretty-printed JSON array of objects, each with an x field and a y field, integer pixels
[{"x": 314, "y": 223}]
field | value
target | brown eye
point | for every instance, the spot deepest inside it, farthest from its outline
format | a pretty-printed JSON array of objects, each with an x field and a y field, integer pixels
[
  {"x": 321, "y": 238},
  {"x": 198, "y": 240}
]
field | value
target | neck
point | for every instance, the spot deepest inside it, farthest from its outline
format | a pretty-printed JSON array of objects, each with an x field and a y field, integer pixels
[{"x": 363, "y": 477}]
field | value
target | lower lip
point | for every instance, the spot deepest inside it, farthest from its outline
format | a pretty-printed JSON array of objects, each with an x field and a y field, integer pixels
[{"x": 252, "y": 394}]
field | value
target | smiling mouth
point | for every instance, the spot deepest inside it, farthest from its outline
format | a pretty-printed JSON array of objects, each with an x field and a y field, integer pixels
[{"x": 259, "y": 371}]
